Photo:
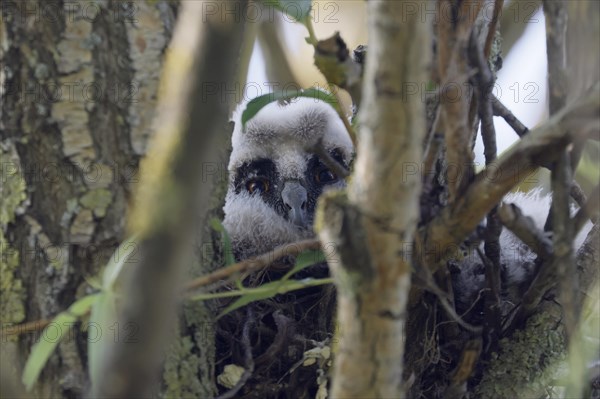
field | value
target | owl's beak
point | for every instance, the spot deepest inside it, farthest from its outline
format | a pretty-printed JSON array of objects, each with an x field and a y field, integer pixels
[{"x": 294, "y": 196}]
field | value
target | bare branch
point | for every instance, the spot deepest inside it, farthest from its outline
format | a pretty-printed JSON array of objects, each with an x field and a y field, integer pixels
[
  {"x": 253, "y": 264},
  {"x": 525, "y": 229},
  {"x": 556, "y": 29},
  {"x": 542, "y": 145},
  {"x": 556, "y": 267},
  {"x": 589, "y": 211},
  {"x": 500, "y": 380},
  {"x": 562, "y": 237},
  {"x": 500, "y": 110},
  {"x": 516, "y": 17},
  {"x": 329, "y": 161},
  {"x": 503, "y": 112},
  {"x": 24, "y": 328},
  {"x": 187, "y": 126},
  {"x": 492, "y": 27},
  {"x": 372, "y": 272},
  {"x": 444, "y": 298},
  {"x": 249, "y": 365},
  {"x": 454, "y": 73},
  {"x": 492, "y": 248},
  {"x": 276, "y": 63}
]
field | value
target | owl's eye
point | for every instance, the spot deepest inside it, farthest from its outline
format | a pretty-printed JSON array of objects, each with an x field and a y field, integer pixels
[
  {"x": 325, "y": 176},
  {"x": 261, "y": 185}
]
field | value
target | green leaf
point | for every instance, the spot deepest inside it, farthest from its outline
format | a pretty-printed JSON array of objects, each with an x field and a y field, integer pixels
[
  {"x": 271, "y": 289},
  {"x": 299, "y": 10},
  {"x": 304, "y": 260},
  {"x": 123, "y": 255},
  {"x": 264, "y": 291},
  {"x": 104, "y": 318},
  {"x": 43, "y": 349},
  {"x": 283, "y": 285},
  {"x": 227, "y": 248},
  {"x": 82, "y": 306},
  {"x": 258, "y": 103}
]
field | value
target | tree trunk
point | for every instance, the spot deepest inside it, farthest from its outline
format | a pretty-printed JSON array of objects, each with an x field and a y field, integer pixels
[{"x": 80, "y": 83}]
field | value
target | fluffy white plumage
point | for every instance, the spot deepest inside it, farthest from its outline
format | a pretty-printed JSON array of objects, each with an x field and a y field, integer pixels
[
  {"x": 282, "y": 133},
  {"x": 515, "y": 257}
]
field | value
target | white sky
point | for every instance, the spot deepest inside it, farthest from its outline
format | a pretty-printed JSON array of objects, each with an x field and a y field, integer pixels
[{"x": 521, "y": 84}]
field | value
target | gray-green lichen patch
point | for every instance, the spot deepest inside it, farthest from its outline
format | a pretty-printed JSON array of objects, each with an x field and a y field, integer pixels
[
  {"x": 528, "y": 361},
  {"x": 72, "y": 117},
  {"x": 97, "y": 200},
  {"x": 82, "y": 227},
  {"x": 12, "y": 293},
  {"x": 189, "y": 367},
  {"x": 74, "y": 62},
  {"x": 181, "y": 371},
  {"x": 147, "y": 42},
  {"x": 53, "y": 254},
  {"x": 13, "y": 200},
  {"x": 72, "y": 48},
  {"x": 99, "y": 175}
]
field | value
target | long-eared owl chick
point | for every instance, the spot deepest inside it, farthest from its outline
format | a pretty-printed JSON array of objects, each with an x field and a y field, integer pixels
[{"x": 274, "y": 176}]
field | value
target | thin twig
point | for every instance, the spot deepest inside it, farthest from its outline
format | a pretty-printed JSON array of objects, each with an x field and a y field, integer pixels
[
  {"x": 491, "y": 259},
  {"x": 503, "y": 112},
  {"x": 556, "y": 27},
  {"x": 24, "y": 328},
  {"x": 329, "y": 161},
  {"x": 525, "y": 229},
  {"x": 562, "y": 237},
  {"x": 453, "y": 72},
  {"x": 562, "y": 254},
  {"x": 555, "y": 13},
  {"x": 248, "y": 359},
  {"x": 577, "y": 193},
  {"x": 589, "y": 211},
  {"x": 253, "y": 264},
  {"x": 500, "y": 110},
  {"x": 345, "y": 121},
  {"x": 277, "y": 65},
  {"x": 245, "y": 266},
  {"x": 430, "y": 285},
  {"x": 556, "y": 30},
  {"x": 492, "y": 26},
  {"x": 314, "y": 41},
  {"x": 431, "y": 157},
  {"x": 541, "y": 146},
  {"x": 435, "y": 126}
]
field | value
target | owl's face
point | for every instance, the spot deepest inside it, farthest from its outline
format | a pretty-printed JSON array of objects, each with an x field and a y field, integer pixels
[{"x": 274, "y": 178}]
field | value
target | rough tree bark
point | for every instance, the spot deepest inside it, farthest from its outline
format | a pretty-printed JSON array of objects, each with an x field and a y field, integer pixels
[
  {"x": 79, "y": 89},
  {"x": 79, "y": 85}
]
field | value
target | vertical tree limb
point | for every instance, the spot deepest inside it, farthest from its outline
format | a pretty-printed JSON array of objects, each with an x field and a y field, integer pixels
[
  {"x": 373, "y": 228},
  {"x": 492, "y": 28},
  {"x": 203, "y": 52},
  {"x": 485, "y": 81},
  {"x": 454, "y": 29},
  {"x": 542, "y": 145},
  {"x": 556, "y": 29}
]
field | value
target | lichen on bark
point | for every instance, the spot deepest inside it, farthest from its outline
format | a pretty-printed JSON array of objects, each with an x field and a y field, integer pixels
[
  {"x": 535, "y": 354},
  {"x": 13, "y": 199}
]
